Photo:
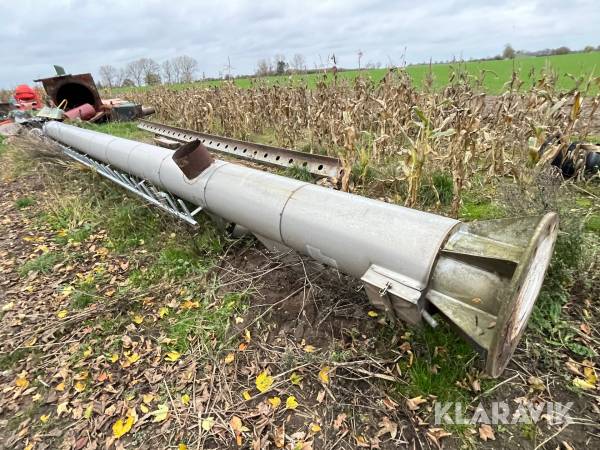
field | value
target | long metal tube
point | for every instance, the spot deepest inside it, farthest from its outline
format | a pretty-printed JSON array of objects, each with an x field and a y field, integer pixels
[
  {"x": 342, "y": 230},
  {"x": 482, "y": 277}
]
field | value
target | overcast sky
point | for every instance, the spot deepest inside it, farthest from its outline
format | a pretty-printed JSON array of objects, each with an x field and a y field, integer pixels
[{"x": 82, "y": 35}]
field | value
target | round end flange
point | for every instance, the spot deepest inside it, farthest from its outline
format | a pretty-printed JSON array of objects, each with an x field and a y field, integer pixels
[{"x": 524, "y": 289}]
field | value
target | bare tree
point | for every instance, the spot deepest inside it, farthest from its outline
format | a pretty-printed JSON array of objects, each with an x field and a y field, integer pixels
[
  {"x": 262, "y": 68},
  {"x": 167, "y": 72},
  {"x": 298, "y": 63},
  {"x": 135, "y": 71},
  {"x": 150, "y": 70},
  {"x": 121, "y": 76},
  {"x": 360, "y": 55},
  {"x": 109, "y": 75},
  {"x": 184, "y": 68}
]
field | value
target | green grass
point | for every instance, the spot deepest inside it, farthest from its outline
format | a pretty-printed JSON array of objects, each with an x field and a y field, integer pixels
[
  {"x": 127, "y": 130},
  {"x": 480, "y": 209},
  {"x": 592, "y": 224},
  {"x": 24, "y": 202},
  {"x": 42, "y": 263},
  {"x": 8, "y": 360},
  {"x": 206, "y": 324},
  {"x": 498, "y": 73},
  {"x": 441, "y": 360}
]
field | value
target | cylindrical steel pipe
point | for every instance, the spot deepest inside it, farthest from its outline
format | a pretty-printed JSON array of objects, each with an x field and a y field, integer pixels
[
  {"x": 482, "y": 277},
  {"x": 342, "y": 230}
]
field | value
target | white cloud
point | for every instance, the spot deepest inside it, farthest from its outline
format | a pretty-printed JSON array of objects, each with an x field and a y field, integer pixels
[{"x": 82, "y": 35}]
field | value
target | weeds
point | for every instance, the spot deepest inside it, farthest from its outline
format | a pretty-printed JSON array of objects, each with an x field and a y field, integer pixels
[
  {"x": 24, "y": 202},
  {"x": 42, "y": 263}
]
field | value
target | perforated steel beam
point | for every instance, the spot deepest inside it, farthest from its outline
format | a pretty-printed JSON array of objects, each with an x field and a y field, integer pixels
[{"x": 319, "y": 165}]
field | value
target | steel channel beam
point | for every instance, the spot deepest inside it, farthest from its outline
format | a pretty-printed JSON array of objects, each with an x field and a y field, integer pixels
[{"x": 324, "y": 166}]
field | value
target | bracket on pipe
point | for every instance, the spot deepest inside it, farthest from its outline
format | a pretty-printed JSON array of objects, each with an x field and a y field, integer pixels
[{"x": 142, "y": 188}]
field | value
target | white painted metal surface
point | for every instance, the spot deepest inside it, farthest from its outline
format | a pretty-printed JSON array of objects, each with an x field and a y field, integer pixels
[
  {"x": 342, "y": 230},
  {"x": 483, "y": 277}
]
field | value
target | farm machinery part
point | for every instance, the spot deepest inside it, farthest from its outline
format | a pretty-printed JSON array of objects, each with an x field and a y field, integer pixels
[
  {"x": 482, "y": 277},
  {"x": 323, "y": 166},
  {"x": 571, "y": 158},
  {"x": 78, "y": 96}
]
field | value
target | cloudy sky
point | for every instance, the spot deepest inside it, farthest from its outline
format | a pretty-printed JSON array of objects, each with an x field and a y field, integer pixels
[{"x": 82, "y": 35}]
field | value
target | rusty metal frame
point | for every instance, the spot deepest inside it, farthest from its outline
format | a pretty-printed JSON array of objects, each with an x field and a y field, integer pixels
[
  {"x": 52, "y": 86},
  {"x": 323, "y": 166}
]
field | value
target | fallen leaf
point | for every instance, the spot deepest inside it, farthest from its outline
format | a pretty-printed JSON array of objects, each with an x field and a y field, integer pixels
[
  {"x": 60, "y": 387},
  {"x": 182, "y": 446},
  {"x": 188, "y": 304},
  {"x": 486, "y": 433},
  {"x": 321, "y": 396},
  {"x": 274, "y": 402},
  {"x": 590, "y": 375},
  {"x": 315, "y": 427},
  {"x": 132, "y": 358},
  {"x": 79, "y": 386},
  {"x": 295, "y": 378},
  {"x": 162, "y": 312},
  {"x": 583, "y": 384},
  {"x": 88, "y": 411},
  {"x": 309, "y": 348},
  {"x": 236, "y": 425},
  {"x": 229, "y": 358},
  {"x": 435, "y": 434},
  {"x": 291, "y": 402},
  {"x": 161, "y": 413},
  {"x": 185, "y": 399},
  {"x": 387, "y": 426},
  {"x": 62, "y": 313},
  {"x": 264, "y": 382},
  {"x": 247, "y": 335},
  {"x": 62, "y": 408},
  {"x": 414, "y": 403},
  {"x": 44, "y": 418},
  {"x": 246, "y": 395},
  {"x": 324, "y": 374},
  {"x": 22, "y": 382},
  {"x": 114, "y": 358},
  {"x": 337, "y": 423},
  {"x": 87, "y": 353},
  {"x": 147, "y": 398},
  {"x": 144, "y": 409},
  {"x": 573, "y": 367},
  {"x": 137, "y": 319},
  {"x": 121, "y": 427},
  {"x": 173, "y": 356},
  {"x": 208, "y": 423},
  {"x": 536, "y": 383},
  {"x": 279, "y": 436}
]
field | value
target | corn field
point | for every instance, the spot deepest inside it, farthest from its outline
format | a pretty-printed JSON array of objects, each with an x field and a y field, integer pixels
[{"x": 393, "y": 136}]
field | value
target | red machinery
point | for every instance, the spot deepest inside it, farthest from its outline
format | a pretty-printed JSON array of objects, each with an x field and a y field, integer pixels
[{"x": 27, "y": 98}]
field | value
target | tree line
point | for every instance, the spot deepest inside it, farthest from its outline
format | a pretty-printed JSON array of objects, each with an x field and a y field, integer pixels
[
  {"x": 510, "y": 53},
  {"x": 146, "y": 71}
]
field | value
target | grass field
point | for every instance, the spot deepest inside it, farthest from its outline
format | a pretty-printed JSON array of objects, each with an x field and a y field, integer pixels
[{"x": 567, "y": 68}]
